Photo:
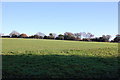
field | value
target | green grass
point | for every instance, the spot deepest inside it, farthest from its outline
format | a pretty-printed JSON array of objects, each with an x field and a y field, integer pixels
[{"x": 58, "y": 58}]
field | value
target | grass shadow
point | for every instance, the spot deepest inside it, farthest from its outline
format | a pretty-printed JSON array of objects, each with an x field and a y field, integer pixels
[{"x": 59, "y": 66}]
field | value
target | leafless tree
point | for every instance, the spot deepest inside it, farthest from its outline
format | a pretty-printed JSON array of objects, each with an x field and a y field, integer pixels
[
  {"x": 83, "y": 34},
  {"x": 106, "y": 37},
  {"x": 23, "y": 35},
  {"x": 89, "y": 35},
  {"x": 77, "y": 35},
  {"x": 1, "y": 34},
  {"x": 14, "y": 34},
  {"x": 39, "y": 34},
  {"x": 68, "y": 34},
  {"x": 53, "y": 35}
]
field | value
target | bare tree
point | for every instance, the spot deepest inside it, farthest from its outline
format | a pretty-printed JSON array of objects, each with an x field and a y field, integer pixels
[
  {"x": 105, "y": 38},
  {"x": 69, "y": 36},
  {"x": 83, "y": 34},
  {"x": 39, "y": 34},
  {"x": 108, "y": 36},
  {"x": 1, "y": 34},
  {"x": 52, "y": 35},
  {"x": 117, "y": 38},
  {"x": 14, "y": 34},
  {"x": 89, "y": 35},
  {"x": 23, "y": 35},
  {"x": 77, "y": 35}
]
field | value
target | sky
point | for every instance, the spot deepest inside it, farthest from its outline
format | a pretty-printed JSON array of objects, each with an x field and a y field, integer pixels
[{"x": 98, "y": 18}]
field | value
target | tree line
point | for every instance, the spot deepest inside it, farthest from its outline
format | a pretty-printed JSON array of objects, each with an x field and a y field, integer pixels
[{"x": 65, "y": 36}]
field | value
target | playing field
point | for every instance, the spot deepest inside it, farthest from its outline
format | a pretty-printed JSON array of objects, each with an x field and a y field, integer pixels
[{"x": 40, "y": 58}]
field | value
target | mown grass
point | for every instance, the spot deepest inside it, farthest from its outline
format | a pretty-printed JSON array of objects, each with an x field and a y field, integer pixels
[{"x": 36, "y": 58}]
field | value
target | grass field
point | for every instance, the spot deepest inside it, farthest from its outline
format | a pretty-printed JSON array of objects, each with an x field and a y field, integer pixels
[{"x": 37, "y": 58}]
